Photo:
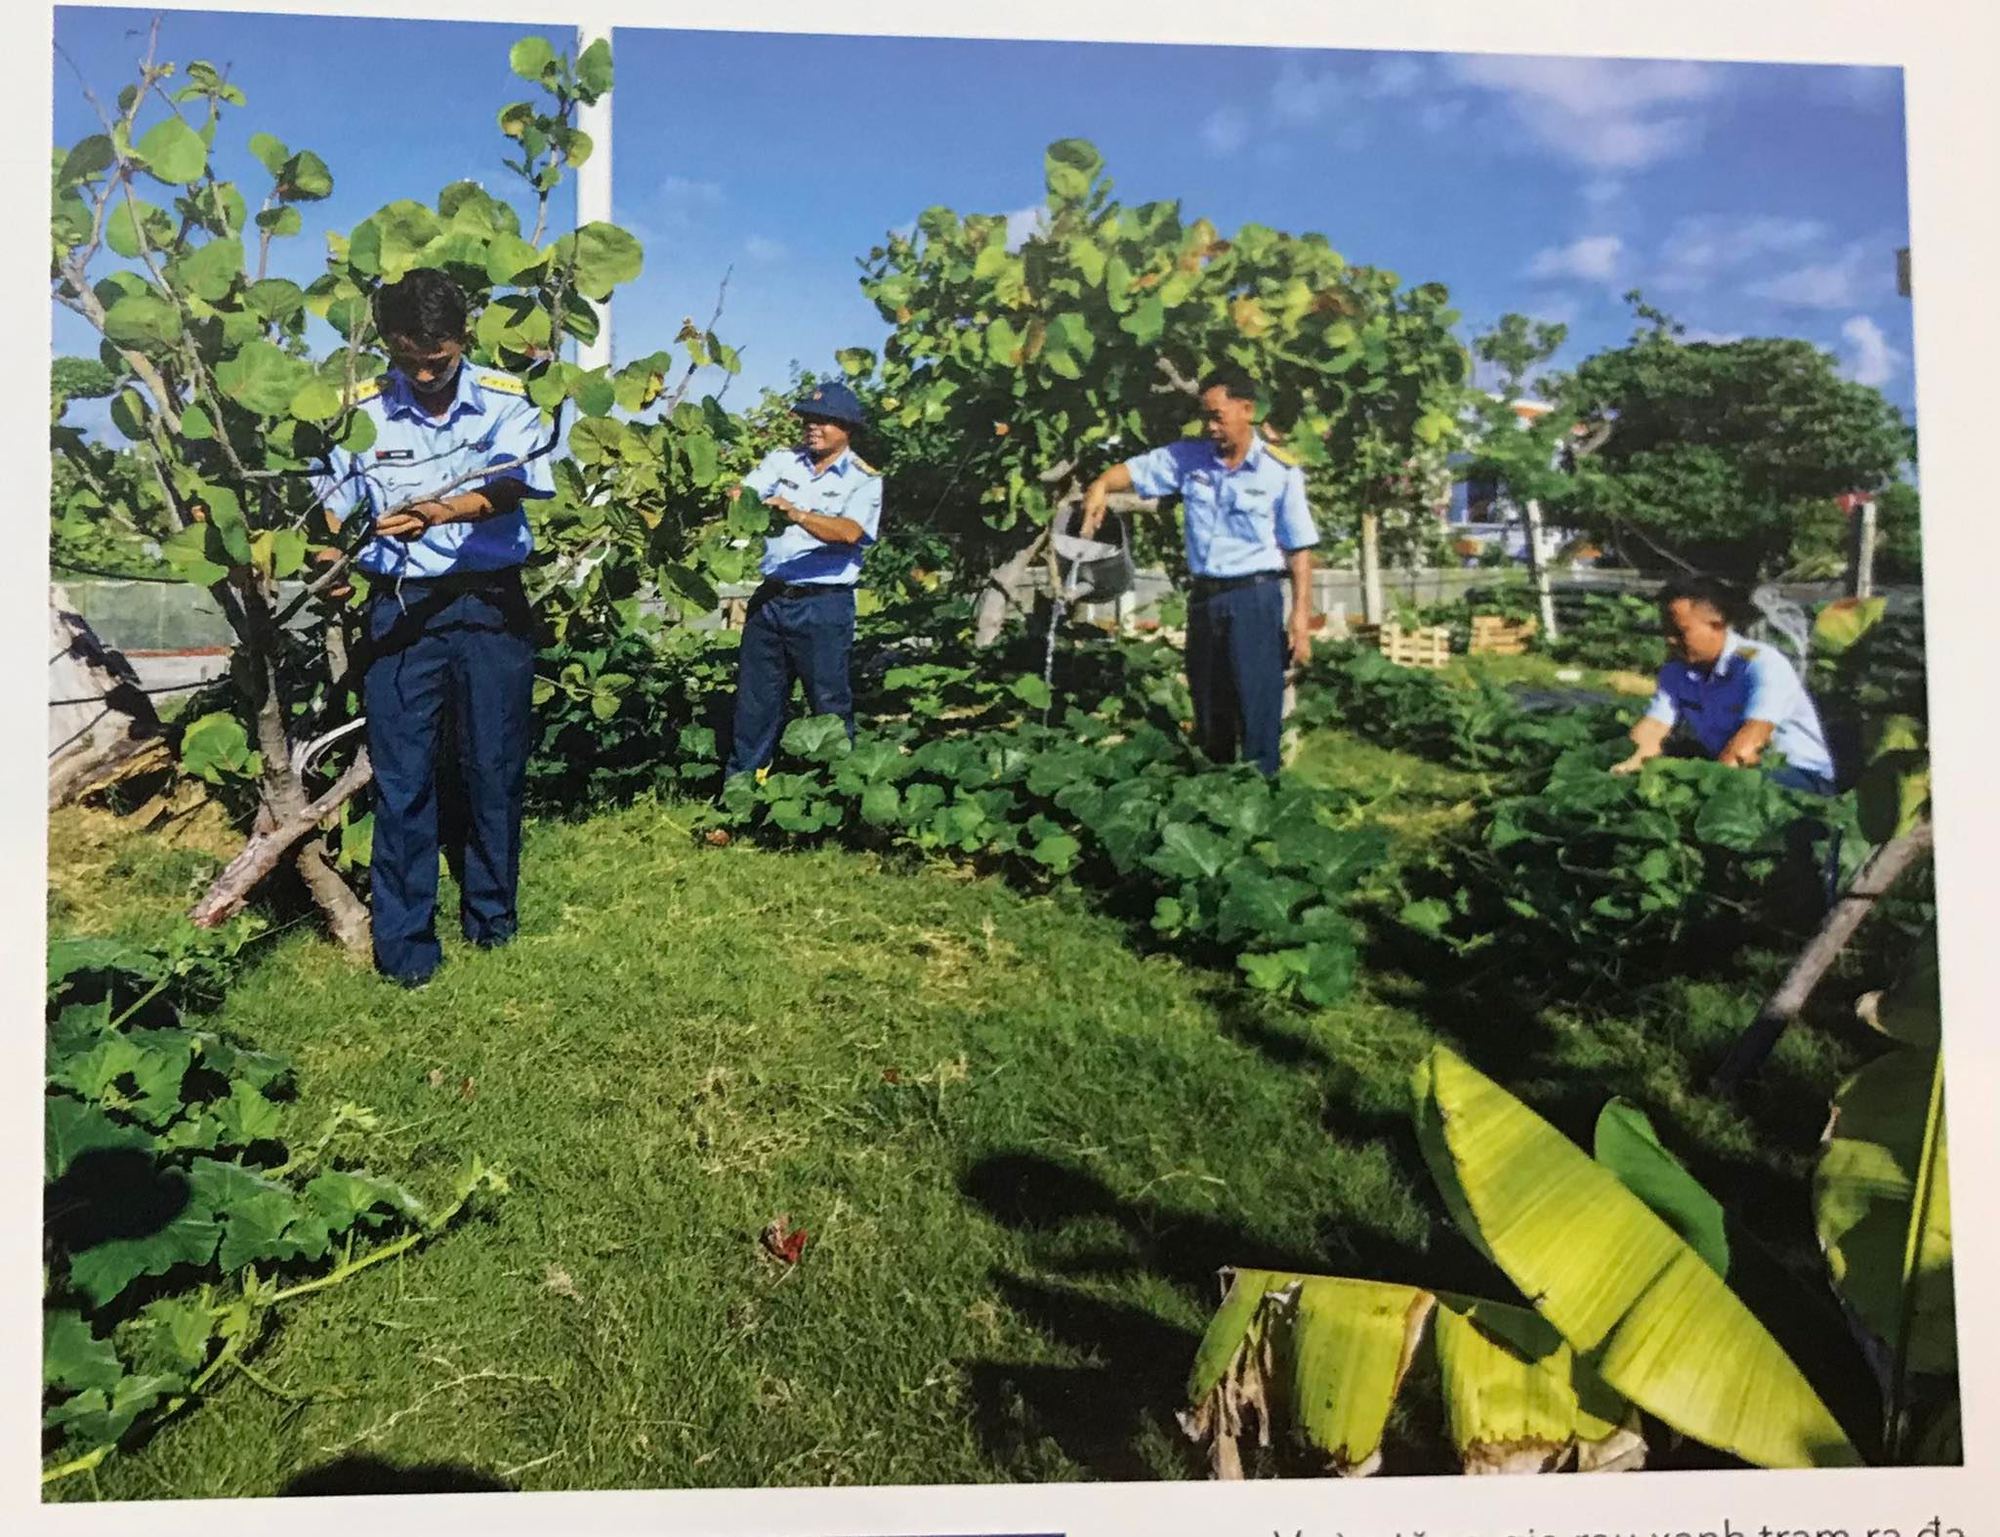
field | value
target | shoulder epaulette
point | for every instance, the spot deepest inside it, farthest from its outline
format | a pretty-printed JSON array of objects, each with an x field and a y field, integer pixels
[
  {"x": 505, "y": 384},
  {"x": 1281, "y": 456},
  {"x": 365, "y": 389},
  {"x": 863, "y": 465},
  {"x": 1746, "y": 653}
]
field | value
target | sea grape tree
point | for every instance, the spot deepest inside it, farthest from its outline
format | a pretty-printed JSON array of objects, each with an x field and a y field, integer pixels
[
  {"x": 1026, "y": 368},
  {"x": 233, "y": 385}
]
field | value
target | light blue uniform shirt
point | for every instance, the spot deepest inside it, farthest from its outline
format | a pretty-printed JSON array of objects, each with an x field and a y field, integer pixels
[
  {"x": 1749, "y": 681},
  {"x": 490, "y": 421},
  {"x": 849, "y": 488},
  {"x": 1238, "y": 522}
]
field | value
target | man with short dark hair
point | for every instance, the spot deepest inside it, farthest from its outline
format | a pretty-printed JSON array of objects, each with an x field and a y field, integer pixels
[
  {"x": 799, "y": 625},
  {"x": 456, "y": 451},
  {"x": 1246, "y": 526},
  {"x": 1730, "y": 698}
]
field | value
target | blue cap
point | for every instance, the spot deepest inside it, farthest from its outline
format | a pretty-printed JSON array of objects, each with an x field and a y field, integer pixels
[{"x": 835, "y": 402}]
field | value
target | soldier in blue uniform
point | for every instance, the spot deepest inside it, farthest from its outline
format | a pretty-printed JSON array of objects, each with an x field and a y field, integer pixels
[
  {"x": 447, "y": 628},
  {"x": 1247, "y": 527},
  {"x": 1728, "y": 698},
  {"x": 799, "y": 625}
]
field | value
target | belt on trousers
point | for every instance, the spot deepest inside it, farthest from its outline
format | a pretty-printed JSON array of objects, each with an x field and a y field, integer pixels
[
  {"x": 1205, "y": 585},
  {"x": 455, "y": 581},
  {"x": 799, "y": 589}
]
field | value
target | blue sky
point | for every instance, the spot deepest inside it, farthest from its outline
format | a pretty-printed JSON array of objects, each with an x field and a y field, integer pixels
[{"x": 1744, "y": 199}]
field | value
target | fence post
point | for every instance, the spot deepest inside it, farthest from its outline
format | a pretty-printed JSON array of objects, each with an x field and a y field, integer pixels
[
  {"x": 1861, "y": 554},
  {"x": 1538, "y": 568},
  {"x": 1371, "y": 568}
]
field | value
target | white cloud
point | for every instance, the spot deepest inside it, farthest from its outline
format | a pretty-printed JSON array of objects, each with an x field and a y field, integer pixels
[
  {"x": 1698, "y": 251},
  {"x": 1871, "y": 358},
  {"x": 1592, "y": 259},
  {"x": 1022, "y": 223},
  {"x": 1606, "y": 114},
  {"x": 1838, "y": 283},
  {"x": 1226, "y": 130},
  {"x": 1695, "y": 334},
  {"x": 762, "y": 248},
  {"x": 1396, "y": 75},
  {"x": 1871, "y": 88},
  {"x": 1444, "y": 113},
  {"x": 1601, "y": 190},
  {"x": 1299, "y": 97}
]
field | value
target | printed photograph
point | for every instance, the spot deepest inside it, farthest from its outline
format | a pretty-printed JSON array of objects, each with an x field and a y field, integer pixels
[{"x": 784, "y": 760}]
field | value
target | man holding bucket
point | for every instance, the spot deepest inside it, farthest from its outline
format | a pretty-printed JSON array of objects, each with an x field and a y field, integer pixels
[{"x": 1247, "y": 528}]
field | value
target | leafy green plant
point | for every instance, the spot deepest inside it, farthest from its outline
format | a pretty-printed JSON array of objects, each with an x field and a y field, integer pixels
[
  {"x": 1014, "y": 375},
  {"x": 1614, "y": 873},
  {"x": 180, "y": 1207},
  {"x": 1219, "y": 860}
]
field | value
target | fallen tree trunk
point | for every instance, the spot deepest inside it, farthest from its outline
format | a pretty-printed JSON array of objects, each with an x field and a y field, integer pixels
[
  {"x": 1885, "y": 867},
  {"x": 102, "y": 726},
  {"x": 271, "y": 841}
]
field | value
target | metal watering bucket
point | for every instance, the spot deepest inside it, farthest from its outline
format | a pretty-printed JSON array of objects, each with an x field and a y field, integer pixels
[{"x": 1093, "y": 570}]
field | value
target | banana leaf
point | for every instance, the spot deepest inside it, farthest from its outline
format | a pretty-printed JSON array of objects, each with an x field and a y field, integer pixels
[
  {"x": 1322, "y": 1360},
  {"x": 1629, "y": 1295},
  {"x": 1885, "y": 1147}
]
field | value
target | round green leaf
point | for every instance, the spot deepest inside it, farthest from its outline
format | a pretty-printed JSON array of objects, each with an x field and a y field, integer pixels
[
  {"x": 91, "y": 157},
  {"x": 209, "y": 271},
  {"x": 195, "y": 424},
  {"x": 531, "y": 58},
  {"x": 261, "y": 378},
  {"x": 593, "y": 69},
  {"x": 315, "y": 401},
  {"x": 604, "y": 256},
  {"x": 173, "y": 152},
  {"x": 276, "y": 299},
  {"x": 270, "y": 152},
  {"x": 304, "y": 178},
  {"x": 142, "y": 321},
  {"x": 128, "y": 220},
  {"x": 280, "y": 221},
  {"x": 128, "y": 414},
  {"x": 1068, "y": 166},
  {"x": 511, "y": 261}
]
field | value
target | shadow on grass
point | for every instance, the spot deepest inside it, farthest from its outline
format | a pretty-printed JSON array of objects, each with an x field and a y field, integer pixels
[
  {"x": 1103, "y": 1413},
  {"x": 375, "y": 1475}
]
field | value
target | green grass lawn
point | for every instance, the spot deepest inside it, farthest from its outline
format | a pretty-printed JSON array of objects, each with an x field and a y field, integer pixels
[{"x": 1021, "y": 1145}]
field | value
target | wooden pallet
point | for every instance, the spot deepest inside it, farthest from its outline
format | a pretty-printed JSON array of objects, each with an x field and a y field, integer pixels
[
  {"x": 1428, "y": 646},
  {"x": 1494, "y": 636}
]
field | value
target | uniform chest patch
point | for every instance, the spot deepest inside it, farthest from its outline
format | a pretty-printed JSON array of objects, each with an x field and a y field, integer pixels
[{"x": 394, "y": 455}]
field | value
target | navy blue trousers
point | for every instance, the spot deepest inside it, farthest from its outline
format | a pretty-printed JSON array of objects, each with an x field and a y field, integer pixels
[
  {"x": 462, "y": 651},
  {"x": 1236, "y": 671},
  {"x": 797, "y": 634}
]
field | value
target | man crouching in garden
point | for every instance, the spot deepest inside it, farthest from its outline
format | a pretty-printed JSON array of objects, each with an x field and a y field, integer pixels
[
  {"x": 1729, "y": 698},
  {"x": 1246, "y": 526},
  {"x": 800, "y": 622},
  {"x": 447, "y": 624}
]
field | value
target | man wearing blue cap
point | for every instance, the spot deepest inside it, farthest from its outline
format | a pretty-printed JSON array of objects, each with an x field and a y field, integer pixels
[
  {"x": 456, "y": 451},
  {"x": 1247, "y": 530},
  {"x": 799, "y": 625}
]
